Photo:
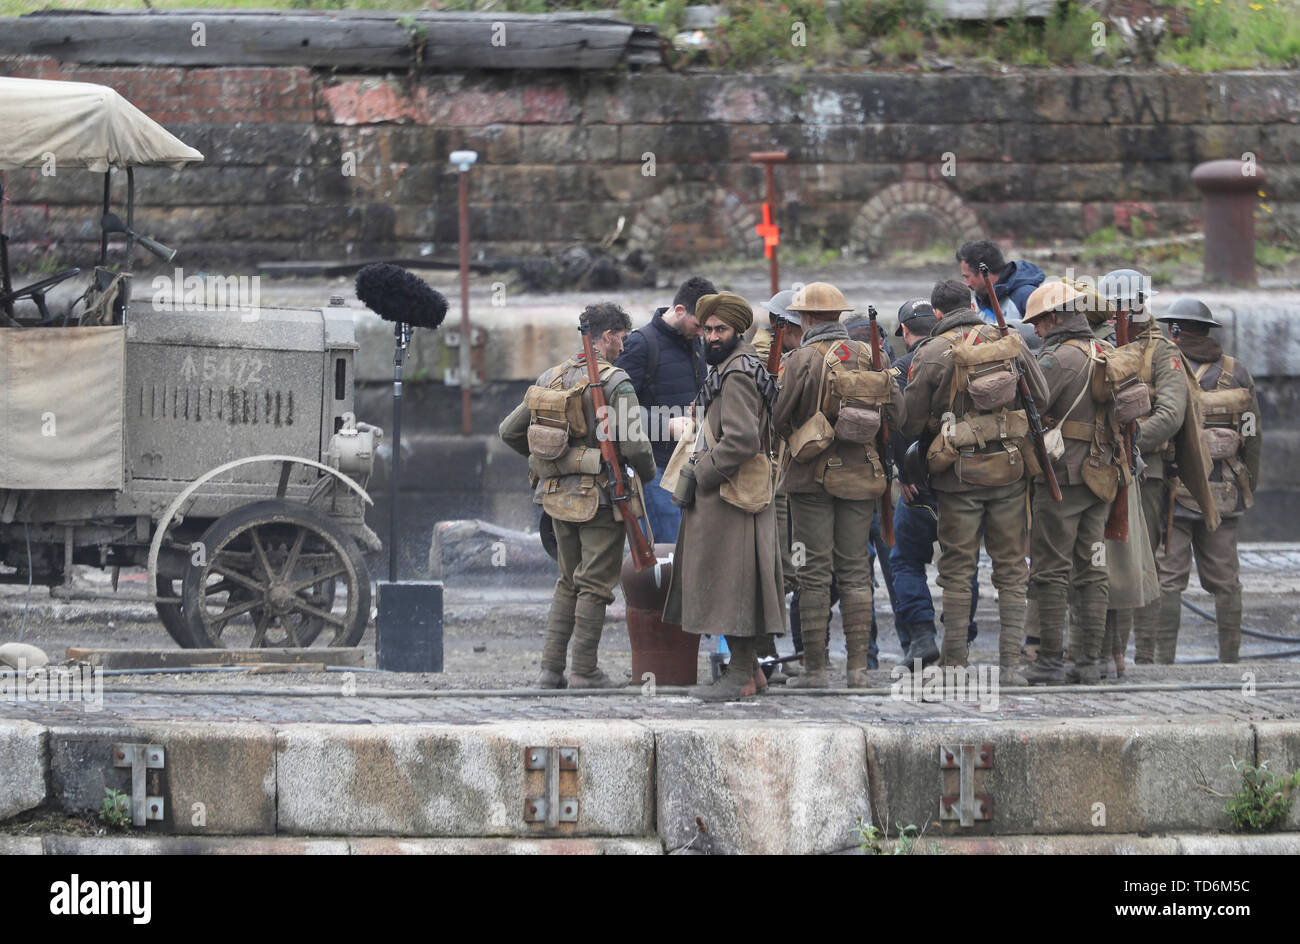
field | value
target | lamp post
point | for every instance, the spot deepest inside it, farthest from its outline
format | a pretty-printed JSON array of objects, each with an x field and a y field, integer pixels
[{"x": 463, "y": 161}]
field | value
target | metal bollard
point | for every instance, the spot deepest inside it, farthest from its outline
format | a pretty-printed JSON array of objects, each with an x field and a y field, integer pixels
[
  {"x": 1228, "y": 197},
  {"x": 664, "y": 650}
]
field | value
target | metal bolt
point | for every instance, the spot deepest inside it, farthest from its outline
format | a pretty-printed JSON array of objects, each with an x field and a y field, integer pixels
[
  {"x": 533, "y": 810},
  {"x": 154, "y": 808},
  {"x": 120, "y": 755}
]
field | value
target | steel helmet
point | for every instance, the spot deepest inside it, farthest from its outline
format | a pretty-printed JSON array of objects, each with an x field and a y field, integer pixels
[
  {"x": 1052, "y": 297},
  {"x": 779, "y": 305},
  {"x": 1125, "y": 288},
  {"x": 819, "y": 296},
  {"x": 1190, "y": 309}
]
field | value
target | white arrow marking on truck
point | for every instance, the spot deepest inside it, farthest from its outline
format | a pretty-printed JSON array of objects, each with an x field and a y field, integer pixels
[{"x": 188, "y": 370}]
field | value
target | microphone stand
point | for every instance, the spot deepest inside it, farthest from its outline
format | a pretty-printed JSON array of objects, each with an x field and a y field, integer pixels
[{"x": 402, "y": 337}]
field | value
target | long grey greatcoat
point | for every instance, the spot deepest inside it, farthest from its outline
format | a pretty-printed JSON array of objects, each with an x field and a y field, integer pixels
[{"x": 727, "y": 566}]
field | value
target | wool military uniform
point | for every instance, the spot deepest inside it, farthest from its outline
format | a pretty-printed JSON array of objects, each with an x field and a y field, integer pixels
[
  {"x": 590, "y": 552},
  {"x": 1067, "y": 542},
  {"x": 1162, "y": 371},
  {"x": 727, "y": 574},
  {"x": 1233, "y": 480},
  {"x": 833, "y": 533},
  {"x": 965, "y": 507}
]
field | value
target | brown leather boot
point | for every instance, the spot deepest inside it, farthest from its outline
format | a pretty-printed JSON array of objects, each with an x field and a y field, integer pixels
[{"x": 738, "y": 677}]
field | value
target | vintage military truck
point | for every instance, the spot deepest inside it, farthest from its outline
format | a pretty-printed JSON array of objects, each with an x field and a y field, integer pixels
[{"x": 212, "y": 442}]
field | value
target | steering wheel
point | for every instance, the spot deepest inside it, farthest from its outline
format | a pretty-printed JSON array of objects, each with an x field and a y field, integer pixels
[{"x": 36, "y": 292}]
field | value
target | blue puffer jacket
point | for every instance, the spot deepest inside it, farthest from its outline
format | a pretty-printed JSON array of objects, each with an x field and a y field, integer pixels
[
  {"x": 1017, "y": 282},
  {"x": 677, "y": 377}
]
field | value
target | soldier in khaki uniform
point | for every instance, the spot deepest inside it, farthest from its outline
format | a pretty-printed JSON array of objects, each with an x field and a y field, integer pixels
[
  {"x": 1162, "y": 371},
  {"x": 790, "y": 338},
  {"x": 977, "y": 462},
  {"x": 835, "y": 478},
  {"x": 1231, "y": 411},
  {"x": 1069, "y": 535},
  {"x": 570, "y": 487}
]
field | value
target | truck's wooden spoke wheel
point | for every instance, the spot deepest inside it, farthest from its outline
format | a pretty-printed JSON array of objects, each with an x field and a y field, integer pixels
[{"x": 277, "y": 574}]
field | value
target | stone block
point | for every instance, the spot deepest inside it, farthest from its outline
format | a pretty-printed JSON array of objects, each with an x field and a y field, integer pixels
[
  {"x": 749, "y": 99},
  {"x": 646, "y": 97},
  {"x": 864, "y": 98},
  {"x": 442, "y": 780},
  {"x": 624, "y": 183},
  {"x": 1048, "y": 845},
  {"x": 23, "y": 760},
  {"x": 565, "y": 144},
  {"x": 1079, "y": 776},
  {"x": 217, "y": 778},
  {"x": 193, "y": 845},
  {"x": 760, "y": 788},
  {"x": 1252, "y": 98},
  {"x": 20, "y": 845},
  {"x": 263, "y": 145},
  {"x": 1158, "y": 99},
  {"x": 1278, "y": 742},
  {"x": 1286, "y": 844},
  {"x": 505, "y": 847}
]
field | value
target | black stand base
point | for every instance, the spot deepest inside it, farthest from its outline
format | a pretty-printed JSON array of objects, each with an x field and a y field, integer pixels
[{"x": 408, "y": 632}]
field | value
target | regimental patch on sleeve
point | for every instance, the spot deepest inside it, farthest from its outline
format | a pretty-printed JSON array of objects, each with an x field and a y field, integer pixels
[
  {"x": 911, "y": 371},
  {"x": 843, "y": 353},
  {"x": 1176, "y": 363}
]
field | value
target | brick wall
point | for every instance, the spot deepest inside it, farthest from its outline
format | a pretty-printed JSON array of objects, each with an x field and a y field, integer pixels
[{"x": 304, "y": 164}]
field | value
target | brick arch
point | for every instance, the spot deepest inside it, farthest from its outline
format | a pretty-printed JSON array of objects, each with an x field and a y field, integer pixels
[
  {"x": 912, "y": 215},
  {"x": 695, "y": 220}
]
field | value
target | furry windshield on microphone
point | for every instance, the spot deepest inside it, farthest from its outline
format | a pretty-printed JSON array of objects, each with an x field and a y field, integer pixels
[{"x": 396, "y": 295}]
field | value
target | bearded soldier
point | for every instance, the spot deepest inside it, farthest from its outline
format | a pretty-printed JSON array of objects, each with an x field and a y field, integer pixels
[
  {"x": 727, "y": 569},
  {"x": 1070, "y": 534},
  {"x": 1162, "y": 371},
  {"x": 557, "y": 428},
  {"x": 962, "y": 388},
  {"x": 1231, "y": 413},
  {"x": 835, "y": 476}
]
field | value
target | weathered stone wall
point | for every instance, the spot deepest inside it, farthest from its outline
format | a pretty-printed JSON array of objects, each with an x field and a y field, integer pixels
[{"x": 303, "y": 164}]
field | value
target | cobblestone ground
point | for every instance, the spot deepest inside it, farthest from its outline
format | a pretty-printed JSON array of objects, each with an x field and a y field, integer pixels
[{"x": 493, "y": 637}]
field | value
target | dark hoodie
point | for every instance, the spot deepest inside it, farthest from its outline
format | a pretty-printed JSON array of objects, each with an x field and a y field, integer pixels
[{"x": 1017, "y": 282}]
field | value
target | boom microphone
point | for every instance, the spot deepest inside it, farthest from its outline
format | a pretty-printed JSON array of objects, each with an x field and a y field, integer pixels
[{"x": 397, "y": 295}]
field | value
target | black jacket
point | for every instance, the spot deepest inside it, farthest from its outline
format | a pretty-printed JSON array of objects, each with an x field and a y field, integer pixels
[{"x": 667, "y": 371}]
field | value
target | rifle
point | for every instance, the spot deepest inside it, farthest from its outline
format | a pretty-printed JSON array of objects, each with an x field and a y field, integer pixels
[
  {"x": 1118, "y": 521},
  {"x": 774, "y": 355},
  {"x": 616, "y": 484},
  {"x": 1027, "y": 398},
  {"x": 887, "y": 500}
]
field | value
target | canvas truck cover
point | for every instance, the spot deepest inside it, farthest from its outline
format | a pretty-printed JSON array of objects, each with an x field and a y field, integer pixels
[
  {"x": 83, "y": 125},
  {"x": 61, "y": 409}
]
